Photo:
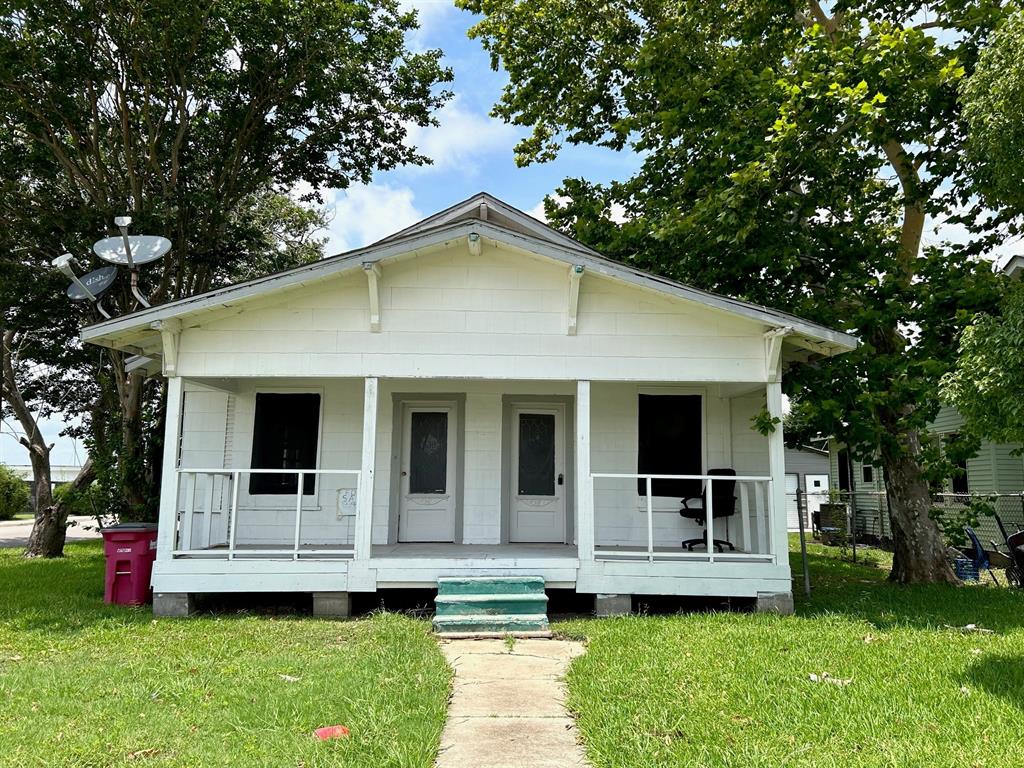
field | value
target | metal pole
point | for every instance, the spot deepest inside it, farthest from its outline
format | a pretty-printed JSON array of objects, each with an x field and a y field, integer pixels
[
  {"x": 803, "y": 541},
  {"x": 853, "y": 530}
]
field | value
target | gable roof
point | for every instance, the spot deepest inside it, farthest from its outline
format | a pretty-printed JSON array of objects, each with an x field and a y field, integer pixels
[
  {"x": 485, "y": 207},
  {"x": 493, "y": 220}
]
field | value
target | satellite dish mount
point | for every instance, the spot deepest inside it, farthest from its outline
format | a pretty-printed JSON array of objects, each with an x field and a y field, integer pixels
[{"x": 130, "y": 251}]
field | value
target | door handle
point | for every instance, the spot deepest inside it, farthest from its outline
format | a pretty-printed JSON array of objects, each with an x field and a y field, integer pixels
[{"x": 561, "y": 479}]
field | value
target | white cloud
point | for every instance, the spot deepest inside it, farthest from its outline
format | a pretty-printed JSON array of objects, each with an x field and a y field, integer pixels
[
  {"x": 430, "y": 14},
  {"x": 538, "y": 210},
  {"x": 618, "y": 212},
  {"x": 364, "y": 214},
  {"x": 462, "y": 136}
]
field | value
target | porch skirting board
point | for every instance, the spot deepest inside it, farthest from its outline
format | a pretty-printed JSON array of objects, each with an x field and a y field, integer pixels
[{"x": 204, "y": 575}]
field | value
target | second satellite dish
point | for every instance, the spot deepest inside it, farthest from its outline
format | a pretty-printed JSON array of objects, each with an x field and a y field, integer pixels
[
  {"x": 145, "y": 248},
  {"x": 92, "y": 285}
]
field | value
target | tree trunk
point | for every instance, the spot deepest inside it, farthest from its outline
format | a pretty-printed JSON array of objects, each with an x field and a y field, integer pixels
[
  {"x": 920, "y": 553},
  {"x": 131, "y": 458},
  {"x": 50, "y": 528}
]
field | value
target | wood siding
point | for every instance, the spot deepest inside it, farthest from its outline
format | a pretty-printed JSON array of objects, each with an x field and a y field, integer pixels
[
  {"x": 499, "y": 315},
  {"x": 329, "y": 514}
]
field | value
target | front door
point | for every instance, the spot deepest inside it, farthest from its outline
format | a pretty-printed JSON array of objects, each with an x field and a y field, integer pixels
[
  {"x": 537, "y": 487},
  {"x": 427, "y": 502}
]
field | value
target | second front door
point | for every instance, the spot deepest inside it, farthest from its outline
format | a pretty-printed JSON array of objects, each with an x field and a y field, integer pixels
[
  {"x": 537, "y": 474},
  {"x": 427, "y": 489}
]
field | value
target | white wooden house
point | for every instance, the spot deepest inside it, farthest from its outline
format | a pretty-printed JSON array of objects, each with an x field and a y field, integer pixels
[{"x": 477, "y": 394}]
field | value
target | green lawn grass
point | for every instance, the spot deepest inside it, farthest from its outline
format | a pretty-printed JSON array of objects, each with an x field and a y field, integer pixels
[
  {"x": 85, "y": 684},
  {"x": 723, "y": 689}
]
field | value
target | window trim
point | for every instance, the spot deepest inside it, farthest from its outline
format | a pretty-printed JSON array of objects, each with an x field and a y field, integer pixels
[
  {"x": 671, "y": 503},
  {"x": 286, "y": 500}
]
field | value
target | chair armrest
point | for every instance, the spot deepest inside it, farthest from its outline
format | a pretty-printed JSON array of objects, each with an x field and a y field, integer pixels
[{"x": 686, "y": 502}]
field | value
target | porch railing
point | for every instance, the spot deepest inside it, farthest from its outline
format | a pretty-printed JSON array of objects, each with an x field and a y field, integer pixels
[
  {"x": 749, "y": 488},
  {"x": 224, "y": 483}
]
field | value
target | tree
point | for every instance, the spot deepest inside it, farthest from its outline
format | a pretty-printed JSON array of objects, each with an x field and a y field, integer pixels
[
  {"x": 993, "y": 99},
  {"x": 987, "y": 384},
  {"x": 194, "y": 118},
  {"x": 13, "y": 494},
  {"x": 790, "y": 157}
]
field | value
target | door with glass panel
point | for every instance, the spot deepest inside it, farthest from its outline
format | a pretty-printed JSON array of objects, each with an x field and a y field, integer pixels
[
  {"x": 537, "y": 474},
  {"x": 427, "y": 474}
]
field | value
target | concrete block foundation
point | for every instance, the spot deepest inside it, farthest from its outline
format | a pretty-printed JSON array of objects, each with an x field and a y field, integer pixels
[
  {"x": 613, "y": 605},
  {"x": 775, "y": 602},
  {"x": 173, "y": 604},
  {"x": 336, "y": 605}
]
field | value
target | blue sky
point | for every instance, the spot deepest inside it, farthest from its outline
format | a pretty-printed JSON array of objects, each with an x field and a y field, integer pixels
[{"x": 472, "y": 151}]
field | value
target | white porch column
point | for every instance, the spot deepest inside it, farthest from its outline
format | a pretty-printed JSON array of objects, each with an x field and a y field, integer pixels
[
  {"x": 584, "y": 482},
  {"x": 168, "y": 519},
  {"x": 777, "y": 471},
  {"x": 363, "y": 535}
]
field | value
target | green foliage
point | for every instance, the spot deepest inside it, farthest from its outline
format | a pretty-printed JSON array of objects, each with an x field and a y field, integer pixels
[
  {"x": 85, "y": 502},
  {"x": 211, "y": 123},
  {"x": 787, "y": 157},
  {"x": 987, "y": 384},
  {"x": 994, "y": 109},
  {"x": 952, "y": 518},
  {"x": 14, "y": 496},
  {"x": 764, "y": 422}
]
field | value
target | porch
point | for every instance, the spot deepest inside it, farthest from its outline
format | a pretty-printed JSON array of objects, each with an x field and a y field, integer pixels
[{"x": 522, "y": 477}]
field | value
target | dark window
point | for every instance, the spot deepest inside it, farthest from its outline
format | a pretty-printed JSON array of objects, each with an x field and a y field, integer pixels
[
  {"x": 285, "y": 434},
  {"x": 845, "y": 470},
  {"x": 960, "y": 484},
  {"x": 868, "y": 473},
  {"x": 428, "y": 454},
  {"x": 536, "y": 454},
  {"x": 670, "y": 443}
]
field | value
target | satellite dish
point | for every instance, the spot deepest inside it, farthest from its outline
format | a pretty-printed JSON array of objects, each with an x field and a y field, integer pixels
[
  {"x": 92, "y": 285},
  {"x": 144, "y": 249}
]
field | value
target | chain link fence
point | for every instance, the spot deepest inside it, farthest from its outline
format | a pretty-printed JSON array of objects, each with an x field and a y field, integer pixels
[
  {"x": 851, "y": 519},
  {"x": 866, "y": 514}
]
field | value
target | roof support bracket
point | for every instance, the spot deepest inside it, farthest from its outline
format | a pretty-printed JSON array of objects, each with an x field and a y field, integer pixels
[
  {"x": 773, "y": 352},
  {"x": 372, "y": 270},
  {"x": 170, "y": 338},
  {"x": 575, "y": 273}
]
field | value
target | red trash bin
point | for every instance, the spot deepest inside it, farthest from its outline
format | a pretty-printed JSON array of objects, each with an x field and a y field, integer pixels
[{"x": 130, "y": 549}]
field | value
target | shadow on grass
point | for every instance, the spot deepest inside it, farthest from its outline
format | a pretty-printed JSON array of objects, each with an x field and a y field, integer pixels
[
  {"x": 860, "y": 591},
  {"x": 1001, "y": 675},
  {"x": 65, "y": 596}
]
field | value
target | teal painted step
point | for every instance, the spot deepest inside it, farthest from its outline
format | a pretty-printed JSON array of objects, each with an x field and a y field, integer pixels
[
  {"x": 537, "y": 622},
  {"x": 490, "y": 585},
  {"x": 509, "y": 604},
  {"x": 491, "y": 604}
]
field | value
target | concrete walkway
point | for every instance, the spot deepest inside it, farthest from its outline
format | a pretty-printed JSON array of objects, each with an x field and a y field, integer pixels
[{"x": 508, "y": 708}]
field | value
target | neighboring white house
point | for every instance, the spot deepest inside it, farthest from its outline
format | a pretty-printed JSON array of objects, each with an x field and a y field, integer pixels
[
  {"x": 807, "y": 483},
  {"x": 996, "y": 472},
  {"x": 475, "y": 395}
]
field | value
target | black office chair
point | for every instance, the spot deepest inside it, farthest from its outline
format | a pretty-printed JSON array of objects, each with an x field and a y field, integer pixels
[{"x": 723, "y": 497}]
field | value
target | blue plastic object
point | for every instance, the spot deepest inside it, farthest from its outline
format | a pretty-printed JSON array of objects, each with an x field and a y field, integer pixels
[{"x": 965, "y": 570}]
